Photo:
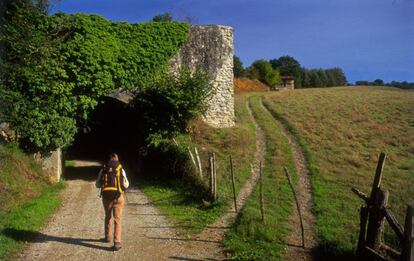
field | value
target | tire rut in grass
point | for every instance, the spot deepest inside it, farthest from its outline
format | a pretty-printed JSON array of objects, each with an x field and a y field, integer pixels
[
  {"x": 217, "y": 230},
  {"x": 304, "y": 193}
]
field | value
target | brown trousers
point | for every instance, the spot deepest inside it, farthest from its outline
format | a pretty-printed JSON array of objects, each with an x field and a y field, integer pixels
[{"x": 113, "y": 207}]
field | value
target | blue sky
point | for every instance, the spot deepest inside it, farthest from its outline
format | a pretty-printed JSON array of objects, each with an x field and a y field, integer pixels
[{"x": 368, "y": 39}]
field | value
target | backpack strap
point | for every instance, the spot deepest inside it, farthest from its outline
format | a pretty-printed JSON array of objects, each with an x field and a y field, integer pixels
[{"x": 118, "y": 176}]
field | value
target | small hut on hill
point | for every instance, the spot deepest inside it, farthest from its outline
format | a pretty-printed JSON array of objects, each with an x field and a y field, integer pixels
[{"x": 288, "y": 82}]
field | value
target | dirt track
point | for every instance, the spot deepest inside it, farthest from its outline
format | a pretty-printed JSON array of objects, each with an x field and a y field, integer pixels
[{"x": 294, "y": 250}]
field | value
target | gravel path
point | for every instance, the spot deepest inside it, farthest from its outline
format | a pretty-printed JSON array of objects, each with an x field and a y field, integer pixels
[
  {"x": 295, "y": 251},
  {"x": 75, "y": 231}
]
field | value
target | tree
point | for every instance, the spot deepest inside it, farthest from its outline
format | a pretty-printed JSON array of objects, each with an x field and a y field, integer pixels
[
  {"x": 264, "y": 72},
  {"x": 165, "y": 17},
  {"x": 331, "y": 80},
  {"x": 238, "y": 70},
  {"x": 42, "y": 5},
  {"x": 298, "y": 81},
  {"x": 340, "y": 78},
  {"x": 306, "y": 78},
  {"x": 252, "y": 73},
  {"x": 315, "y": 80},
  {"x": 286, "y": 65},
  {"x": 31, "y": 104},
  {"x": 362, "y": 83},
  {"x": 378, "y": 82},
  {"x": 323, "y": 78},
  {"x": 403, "y": 85}
]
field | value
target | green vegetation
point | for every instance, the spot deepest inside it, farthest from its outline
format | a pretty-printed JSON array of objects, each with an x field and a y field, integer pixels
[
  {"x": 264, "y": 72},
  {"x": 27, "y": 199},
  {"x": 314, "y": 78},
  {"x": 250, "y": 239},
  {"x": 378, "y": 82},
  {"x": 164, "y": 17},
  {"x": 289, "y": 66},
  {"x": 238, "y": 69},
  {"x": 54, "y": 70},
  {"x": 166, "y": 107},
  {"x": 342, "y": 132},
  {"x": 184, "y": 202}
]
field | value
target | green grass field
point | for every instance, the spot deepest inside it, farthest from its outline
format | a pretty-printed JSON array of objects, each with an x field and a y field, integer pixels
[{"x": 343, "y": 130}]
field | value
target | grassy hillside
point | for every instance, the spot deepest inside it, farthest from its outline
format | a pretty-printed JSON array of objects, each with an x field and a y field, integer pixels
[
  {"x": 343, "y": 130},
  {"x": 27, "y": 199}
]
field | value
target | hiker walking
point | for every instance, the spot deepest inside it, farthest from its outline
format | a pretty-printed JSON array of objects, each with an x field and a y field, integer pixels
[{"x": 112, "y": 181}]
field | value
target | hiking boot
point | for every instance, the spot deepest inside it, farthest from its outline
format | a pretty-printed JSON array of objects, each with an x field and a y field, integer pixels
[{"x": 117, "y": 246}]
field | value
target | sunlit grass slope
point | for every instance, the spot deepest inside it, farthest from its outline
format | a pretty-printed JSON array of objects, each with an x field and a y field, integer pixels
[
  {"x": 342, "y": 131},
  {"x": 27, "y": 199}
]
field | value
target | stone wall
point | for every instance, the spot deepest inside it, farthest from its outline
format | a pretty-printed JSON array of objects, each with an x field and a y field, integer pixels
[
  {"x": 210, "y": 47},
  {"x": 52, "y": 164}
]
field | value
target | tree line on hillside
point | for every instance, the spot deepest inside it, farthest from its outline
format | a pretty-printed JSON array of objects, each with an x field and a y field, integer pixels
[
  {"x": 270, "y": 73},
  {"x": 378, "y": 82}
]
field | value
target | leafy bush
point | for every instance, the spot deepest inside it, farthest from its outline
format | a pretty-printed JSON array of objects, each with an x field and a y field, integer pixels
[
  {"x": 54, "y": 70},
  {"x": 264, "y": 72},
  {"x": 172, "y": 101}
]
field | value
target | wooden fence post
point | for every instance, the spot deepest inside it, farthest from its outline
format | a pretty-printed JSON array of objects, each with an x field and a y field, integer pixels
[
  {"x": 192, "y": 158},
  {"x": 233, "y": 184},
  {"x": 363, "y": 217},
  {"x": 375, "y": 213},
  {"x": 376, "y": 220},
  {"x": 200, "y": 169},
  {"x": 378, "y": 176},
  {"x": 408, "y": 243},
  {"x": 215, "y": 177},
  {"x": 262, "y": 207},
  {"x": 210, "y": 171}
]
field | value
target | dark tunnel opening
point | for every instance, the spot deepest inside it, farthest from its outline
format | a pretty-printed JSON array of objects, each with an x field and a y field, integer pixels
[{"x": 113, "y": 128}]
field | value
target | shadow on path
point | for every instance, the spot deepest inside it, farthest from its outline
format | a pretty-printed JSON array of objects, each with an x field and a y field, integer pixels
[
  {"x": 37, "y": 237},
  {"x": 89, "y": 173},
  {"x": 184, "y": 239},
  {"x": 190, "y": 259}
]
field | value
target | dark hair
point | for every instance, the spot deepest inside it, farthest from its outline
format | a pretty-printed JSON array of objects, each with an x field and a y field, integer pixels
[
  {"x": 114, "y": 157},
  {"x": 113, "y": 161}
]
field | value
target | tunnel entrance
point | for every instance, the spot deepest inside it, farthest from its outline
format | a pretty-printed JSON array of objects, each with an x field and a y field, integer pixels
[{"x": 113, "y": 128}]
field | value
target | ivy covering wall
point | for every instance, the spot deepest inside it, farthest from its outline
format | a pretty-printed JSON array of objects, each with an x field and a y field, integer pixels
[{"x": 56, "y": 68}]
